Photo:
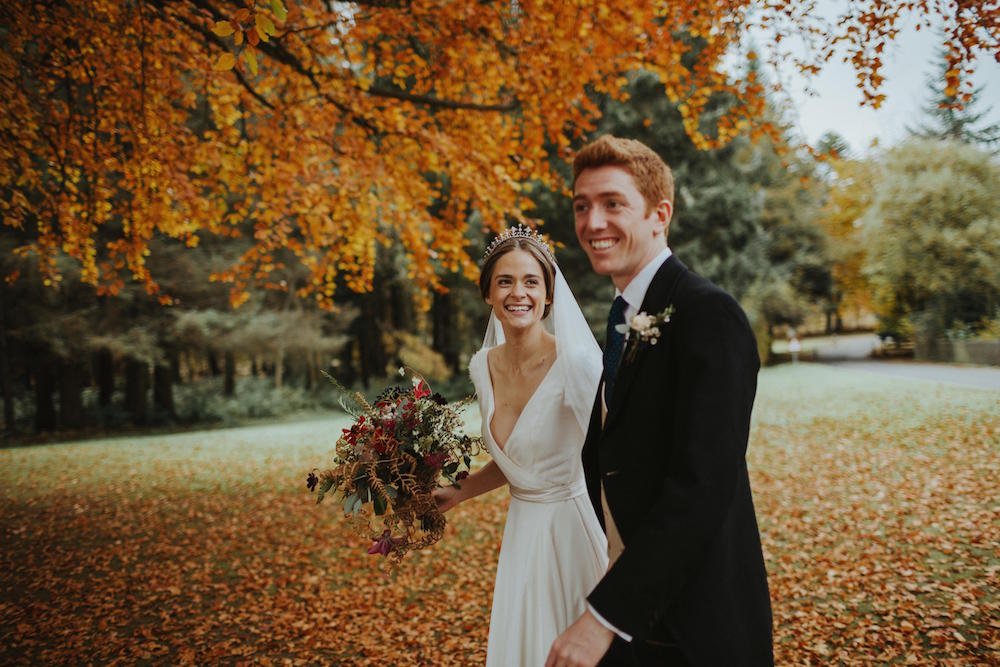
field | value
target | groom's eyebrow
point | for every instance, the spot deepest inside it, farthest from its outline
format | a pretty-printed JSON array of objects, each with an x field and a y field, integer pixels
[{"x": 601, "y": 195}]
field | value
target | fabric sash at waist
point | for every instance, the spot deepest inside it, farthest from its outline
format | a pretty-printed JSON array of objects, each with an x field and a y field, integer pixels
[{"x": 552, "y": 494}]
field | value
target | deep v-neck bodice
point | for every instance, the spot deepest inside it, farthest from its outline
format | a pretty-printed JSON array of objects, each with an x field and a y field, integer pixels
[
  {"x": 542, "y": 453},
  {"x": 488, "y": 422}
]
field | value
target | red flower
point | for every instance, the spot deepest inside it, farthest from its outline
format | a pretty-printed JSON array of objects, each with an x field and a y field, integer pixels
[
  {"x": 461, "y": 475},
  {"x": 435, "y": 459},
  {"x": 421, "y": 390},
  {"x": 384, "y": 544}
]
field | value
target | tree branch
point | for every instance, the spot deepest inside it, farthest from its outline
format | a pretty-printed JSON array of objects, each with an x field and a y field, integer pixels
[{"x": 440, "y": 103}]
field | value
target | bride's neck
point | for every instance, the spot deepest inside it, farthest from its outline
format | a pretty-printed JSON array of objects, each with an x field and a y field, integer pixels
[{"x": 527, "y": 344}]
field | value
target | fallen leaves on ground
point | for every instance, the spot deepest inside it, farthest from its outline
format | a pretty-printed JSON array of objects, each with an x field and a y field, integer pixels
[{"x": 877, "y": 504}]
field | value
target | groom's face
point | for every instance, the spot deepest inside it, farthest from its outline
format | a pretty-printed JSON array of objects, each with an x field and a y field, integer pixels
[{"x": 613, "y": 225}]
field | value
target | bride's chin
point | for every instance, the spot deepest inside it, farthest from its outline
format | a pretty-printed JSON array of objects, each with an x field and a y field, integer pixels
[{"x": 517, "y": 324}]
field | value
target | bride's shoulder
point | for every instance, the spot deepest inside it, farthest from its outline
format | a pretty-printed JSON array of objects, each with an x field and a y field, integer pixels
[{"x": 478, "y": 360}]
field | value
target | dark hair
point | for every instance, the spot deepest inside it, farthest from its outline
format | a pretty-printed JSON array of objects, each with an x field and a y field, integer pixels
[{"x": 530, "y": 247}]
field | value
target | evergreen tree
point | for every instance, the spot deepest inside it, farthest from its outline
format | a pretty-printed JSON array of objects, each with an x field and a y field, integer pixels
[
  {"x": 742, "y": 215},
  {"x": 950, "y": 119}
]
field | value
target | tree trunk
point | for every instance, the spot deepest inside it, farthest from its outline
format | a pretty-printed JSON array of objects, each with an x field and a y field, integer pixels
[
  {"x": 347, "y": 370},
  {"x": 104, "y": 369},
  {"x": 70, "y": 394},
  {"x": 8, "y": 394},
  {"x": 136, "y": 388},
  {"x": 312, "y": 371},
  {"x": 163, "y": 389},
  {"x": 368, "y": 332},
  {"x": 175, "y": 366},
  {"x": 229, "y": 384},
  {"x": 402, "y": 315},
  {"x": 279, "y": 369},
  {"x": 45, "y": 409},
  {"x": 443, "y": 334},
  {"x": 213, "y": 364}
]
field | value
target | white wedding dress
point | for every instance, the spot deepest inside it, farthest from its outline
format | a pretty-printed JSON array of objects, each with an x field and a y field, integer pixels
[{"x": 553, "y": 551}]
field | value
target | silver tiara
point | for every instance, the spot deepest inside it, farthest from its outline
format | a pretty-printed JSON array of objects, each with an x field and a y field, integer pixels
[{"x": 521, "y": 232}]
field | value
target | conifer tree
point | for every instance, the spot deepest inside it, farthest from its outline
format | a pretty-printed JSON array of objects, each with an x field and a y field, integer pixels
[{"x": 949, "y": 117}]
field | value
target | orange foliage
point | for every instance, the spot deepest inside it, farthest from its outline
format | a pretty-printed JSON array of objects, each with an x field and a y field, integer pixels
[
  {"x": 322, "y": 130},
  {"x": 841, "y": 218}
]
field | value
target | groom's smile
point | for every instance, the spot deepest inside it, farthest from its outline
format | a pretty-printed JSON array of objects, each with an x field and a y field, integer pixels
[{"x": 602, "y": 244}]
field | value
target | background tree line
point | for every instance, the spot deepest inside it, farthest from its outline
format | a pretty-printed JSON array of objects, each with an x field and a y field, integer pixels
[{"x": 227, "y": 204}]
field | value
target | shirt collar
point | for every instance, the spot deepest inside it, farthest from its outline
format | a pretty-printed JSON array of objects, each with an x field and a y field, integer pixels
[{"x": 635, "y": 291}]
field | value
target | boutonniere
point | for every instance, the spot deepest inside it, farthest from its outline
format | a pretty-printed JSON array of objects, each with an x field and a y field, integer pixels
[{"x": 646, "y": 327}]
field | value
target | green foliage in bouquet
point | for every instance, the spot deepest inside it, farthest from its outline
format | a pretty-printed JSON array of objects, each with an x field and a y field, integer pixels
[{"x": 391, "y": 459}]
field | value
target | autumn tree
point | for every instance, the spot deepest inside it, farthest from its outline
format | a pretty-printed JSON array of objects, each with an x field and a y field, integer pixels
[
  {"x": 327, "y": 130},
  {"x": 851, "y": 189}
]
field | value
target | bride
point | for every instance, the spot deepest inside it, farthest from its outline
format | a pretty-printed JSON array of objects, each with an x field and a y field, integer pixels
[{"x": 536, "y": 377}]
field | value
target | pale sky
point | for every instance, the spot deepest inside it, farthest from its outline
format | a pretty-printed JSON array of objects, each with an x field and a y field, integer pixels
[{"x": 837, "y": 104}]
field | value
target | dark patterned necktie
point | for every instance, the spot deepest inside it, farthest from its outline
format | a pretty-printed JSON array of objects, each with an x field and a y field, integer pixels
[{"x": 614, "y": 343}]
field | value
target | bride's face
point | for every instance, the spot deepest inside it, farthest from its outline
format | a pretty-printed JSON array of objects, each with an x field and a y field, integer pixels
[{"x": 517, "y": 290}]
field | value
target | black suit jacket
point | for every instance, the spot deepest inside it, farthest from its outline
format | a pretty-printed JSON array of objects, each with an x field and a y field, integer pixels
[{"x": 671, "y": 455}]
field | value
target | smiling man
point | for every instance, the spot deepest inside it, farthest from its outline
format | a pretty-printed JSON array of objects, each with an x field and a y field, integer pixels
[{"x": 665, "y": 452}]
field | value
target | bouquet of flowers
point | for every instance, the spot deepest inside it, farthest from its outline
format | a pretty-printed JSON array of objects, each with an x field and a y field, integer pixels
[{"x": 390, "y": 460}]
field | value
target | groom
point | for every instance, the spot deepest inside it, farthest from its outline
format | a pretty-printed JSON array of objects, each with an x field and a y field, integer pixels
[{"x": 664, "y": 455}]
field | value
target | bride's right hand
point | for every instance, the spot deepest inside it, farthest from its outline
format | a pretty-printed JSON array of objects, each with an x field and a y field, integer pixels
[{"x": 446, "y": 497}]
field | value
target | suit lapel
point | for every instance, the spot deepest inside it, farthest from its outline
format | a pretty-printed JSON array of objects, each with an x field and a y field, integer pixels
[{"x": 658, "y": 296}]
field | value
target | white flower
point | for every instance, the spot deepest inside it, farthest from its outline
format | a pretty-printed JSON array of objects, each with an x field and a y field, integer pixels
[
  {"x": 642, "y": 323},
  {"x": 646, "y": 327}
]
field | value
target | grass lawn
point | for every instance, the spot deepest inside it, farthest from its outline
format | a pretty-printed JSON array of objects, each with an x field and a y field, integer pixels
[{"x": 877, "y": 500}]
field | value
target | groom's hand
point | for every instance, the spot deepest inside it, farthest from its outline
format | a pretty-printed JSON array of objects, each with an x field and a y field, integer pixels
[{"x": 582, "y": 645}]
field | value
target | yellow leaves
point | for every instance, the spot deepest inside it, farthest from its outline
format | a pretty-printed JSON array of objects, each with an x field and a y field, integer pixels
[
  {"x": 264, "y": 26},
  {"x": 241, "y": 29},
  {"x": 251, "y": 60},
  {"x": 225, "y": 62},
  {"x": 279, "y": 10},
  {"x": 304, "y": 137},
  {"x": 223, "y": 28}
]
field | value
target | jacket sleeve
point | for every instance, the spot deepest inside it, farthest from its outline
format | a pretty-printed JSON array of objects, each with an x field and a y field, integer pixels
[{"x": 710, "y": 404}]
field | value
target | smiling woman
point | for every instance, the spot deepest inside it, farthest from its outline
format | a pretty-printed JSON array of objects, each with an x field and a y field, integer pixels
[{"x": 536, "y": 376}]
